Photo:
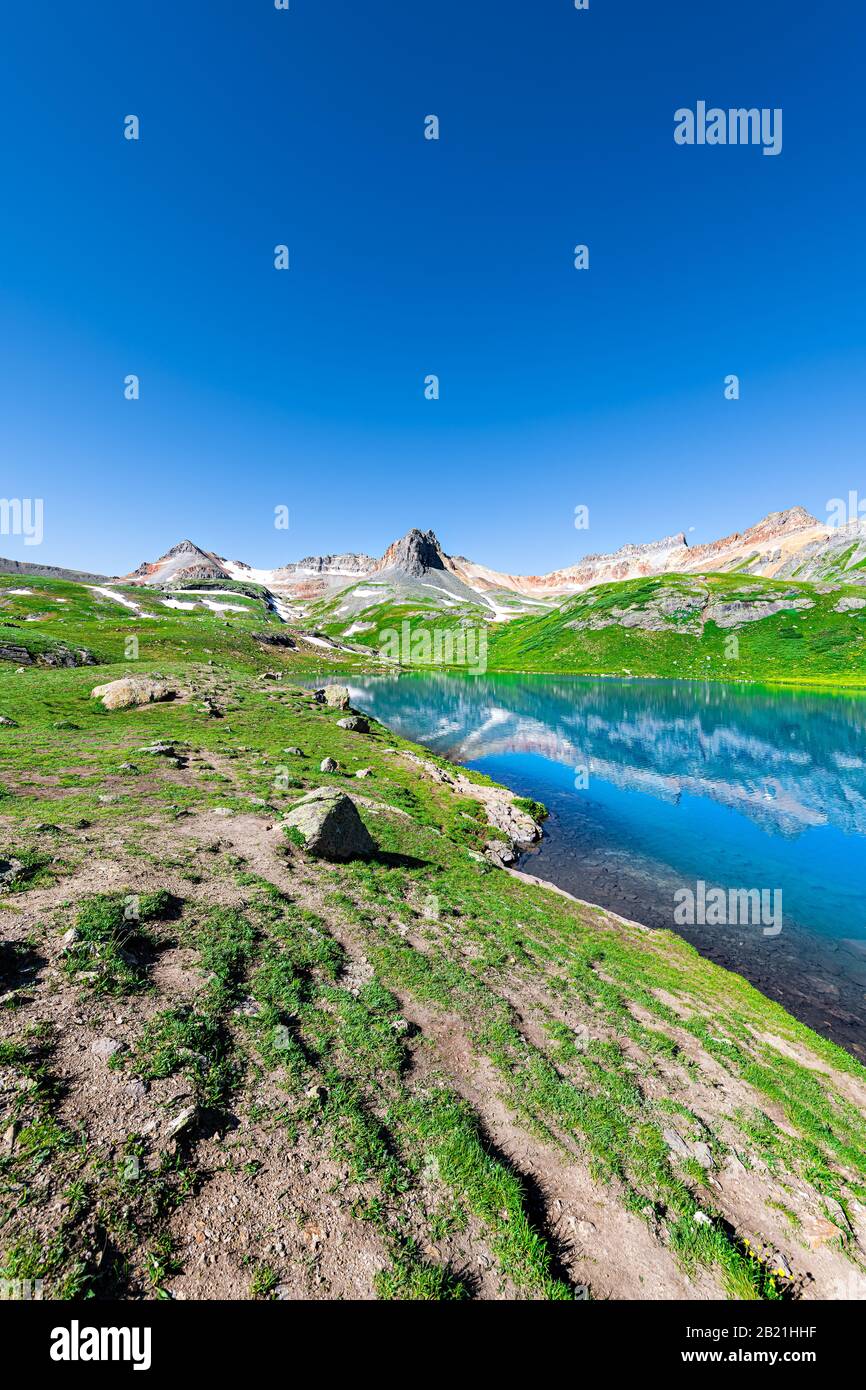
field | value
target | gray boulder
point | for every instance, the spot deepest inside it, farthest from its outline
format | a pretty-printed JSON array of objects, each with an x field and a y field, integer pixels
[
  {"x": 356, "y": 722},
  {"x": 132, "y": 690},
  {"x": 336, "y": 696},
  {"x": 331, "y": 828}
]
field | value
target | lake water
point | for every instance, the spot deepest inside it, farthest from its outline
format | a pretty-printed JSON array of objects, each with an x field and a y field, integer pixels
[{"x": 653, "y": 786}]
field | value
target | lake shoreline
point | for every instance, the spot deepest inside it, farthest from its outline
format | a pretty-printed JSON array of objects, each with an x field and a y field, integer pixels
[
  {"x": 808, "y": 984},
  {"x": 692, "y": 762}
]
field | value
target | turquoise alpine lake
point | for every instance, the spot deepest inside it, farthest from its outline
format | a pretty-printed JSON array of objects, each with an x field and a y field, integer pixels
[{"x": 655, "y": 787}]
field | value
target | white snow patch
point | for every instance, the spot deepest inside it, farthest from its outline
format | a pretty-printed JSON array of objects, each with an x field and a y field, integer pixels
[
  {"x": 453, "y": 600},
  {"x": 265, "y": 577},
  {"x": 224, "y": 607},
  {"x": 118, "y": 598},
  {"x": 283, "y": 611}
]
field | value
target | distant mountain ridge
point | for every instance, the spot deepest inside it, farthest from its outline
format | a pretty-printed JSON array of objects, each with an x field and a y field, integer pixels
[
  {"x": 785, "y": 544},
  {"x": 26, "y": 567}
]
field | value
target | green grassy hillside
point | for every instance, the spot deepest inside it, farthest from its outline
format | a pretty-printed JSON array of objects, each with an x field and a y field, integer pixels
[
  {"x": 366, "y": 626},
  {"x": 713, "y": 626},
  {"x": 46, "y": 616},
  {"x": 720, "y": 627}
]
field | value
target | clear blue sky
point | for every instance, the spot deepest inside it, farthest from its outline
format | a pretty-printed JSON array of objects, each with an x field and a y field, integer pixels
[{"x": 410, "y": 257}]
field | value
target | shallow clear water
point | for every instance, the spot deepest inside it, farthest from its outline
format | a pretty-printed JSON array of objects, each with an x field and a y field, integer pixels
[{"x": 654, "y": 785}]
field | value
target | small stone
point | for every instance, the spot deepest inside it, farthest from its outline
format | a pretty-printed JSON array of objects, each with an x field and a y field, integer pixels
[
  {"x": 676, "y": 1143},
  {"x": 328, "y": 765},
  {"x": 248, "y": 1008},
  {"x": 223, "y": 811},
  {"x": 105, "y": 1047},
  {"x": 704, "y": 1155},
  {"x": 8, "y": 723},
  {"x": 364, "y": 772},
  {"x": 136, "y": 1090},
  {"x": 294, "y": 752},
  {"x": 9, "y": 871},
  {"x": 181, "y": 1121},
  {"x": 701, "y": 1219}
]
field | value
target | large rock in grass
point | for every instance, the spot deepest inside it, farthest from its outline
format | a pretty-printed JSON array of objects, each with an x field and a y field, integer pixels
[
  {"x": 356, "y": 722},
  {"x": 336, "y": 696},
  {"x": 133, "y": 690},
  {"x": 331, "y": 828}
]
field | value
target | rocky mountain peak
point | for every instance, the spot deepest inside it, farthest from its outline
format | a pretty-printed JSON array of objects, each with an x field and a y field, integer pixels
[
  {"x": 183, "y": 548},
  {"x": 415, "y": 554},
  {"x": 780, "y": 524}
]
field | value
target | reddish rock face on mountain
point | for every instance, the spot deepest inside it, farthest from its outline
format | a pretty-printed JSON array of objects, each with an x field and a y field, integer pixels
[
  {"x": 185, "y": 560},
  {"x": 417, "y": 552}
]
